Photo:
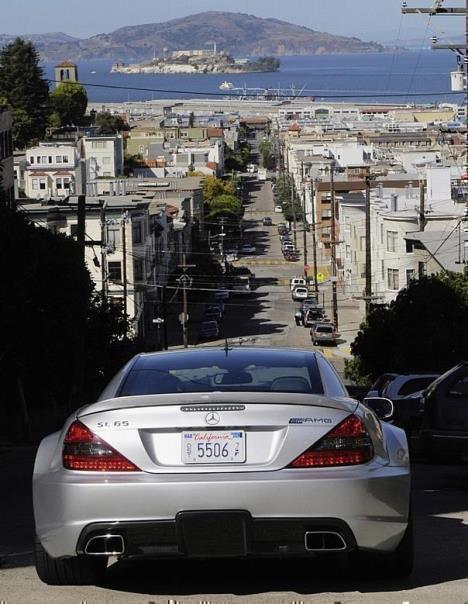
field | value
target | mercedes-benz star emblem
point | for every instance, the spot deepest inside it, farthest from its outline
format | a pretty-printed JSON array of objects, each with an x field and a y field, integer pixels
[{"x": 212, "y": 418}]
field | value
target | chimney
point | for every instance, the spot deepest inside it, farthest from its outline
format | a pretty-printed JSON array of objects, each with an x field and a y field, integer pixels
[
  {"x": 381, "y": 188},
  {"x": 394, "y": 202}
]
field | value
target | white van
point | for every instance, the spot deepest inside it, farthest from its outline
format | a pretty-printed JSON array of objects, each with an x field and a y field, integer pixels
[{"x": 296, "y": 281}]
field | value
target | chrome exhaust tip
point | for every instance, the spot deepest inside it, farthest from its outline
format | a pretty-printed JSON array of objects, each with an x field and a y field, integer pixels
[
  {"x": 105, "y": 545},
  {"x": 324, "y": 541}
]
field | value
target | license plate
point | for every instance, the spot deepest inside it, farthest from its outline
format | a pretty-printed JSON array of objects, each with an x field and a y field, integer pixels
[{"x": 215, "y": 446}]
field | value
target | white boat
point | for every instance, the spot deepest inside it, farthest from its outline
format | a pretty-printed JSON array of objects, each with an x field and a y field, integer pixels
[
  {"x": 226, "y": 86},
  {"x": 93, "y": 72}
]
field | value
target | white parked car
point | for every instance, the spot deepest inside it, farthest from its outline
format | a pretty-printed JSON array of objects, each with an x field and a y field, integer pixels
[
  {"x": 300, "y": 293},
  {"x": 278, "y": 209}
]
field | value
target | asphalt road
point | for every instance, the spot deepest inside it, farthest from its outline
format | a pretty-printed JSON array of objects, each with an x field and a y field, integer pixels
[{"x": 440, "y": 497}]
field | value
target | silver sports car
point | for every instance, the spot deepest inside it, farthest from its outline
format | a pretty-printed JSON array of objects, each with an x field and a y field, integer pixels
[{"x": 222, "y": 452}]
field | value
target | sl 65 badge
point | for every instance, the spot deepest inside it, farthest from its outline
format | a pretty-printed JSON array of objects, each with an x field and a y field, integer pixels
[{"x": 116, "y": 424}]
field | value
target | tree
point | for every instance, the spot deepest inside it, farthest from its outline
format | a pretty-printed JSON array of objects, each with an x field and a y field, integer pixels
[
  {"x": 214, "y": 187},
  {"x": 68, "y": 103},
  {"x": 23, "y": 86},
  {"x": 424, "y": 330},
  {"x": 45, "y": 298},
  {"x": 265, "y": 148},
  {"x": 110, "y": 124},
  {"x": 225, "y": 205}
]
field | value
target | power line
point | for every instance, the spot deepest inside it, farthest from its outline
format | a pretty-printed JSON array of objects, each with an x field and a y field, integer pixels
[{"x": 255, "y": 96}]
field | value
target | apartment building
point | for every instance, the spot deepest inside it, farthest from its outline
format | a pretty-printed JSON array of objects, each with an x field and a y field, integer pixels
[{"x": 53, "y": 170}]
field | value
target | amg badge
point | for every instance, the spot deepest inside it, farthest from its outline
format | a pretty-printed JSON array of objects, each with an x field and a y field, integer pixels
[{"x": 310, "y": 420}]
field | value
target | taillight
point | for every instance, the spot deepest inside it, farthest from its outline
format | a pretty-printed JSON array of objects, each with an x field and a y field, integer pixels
[
  {"x": 83, "y": 450},
  {"x": 348, "y": 444}
]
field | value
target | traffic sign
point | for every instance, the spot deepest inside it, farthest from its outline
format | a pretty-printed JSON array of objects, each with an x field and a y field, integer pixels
[{"x": 320, "y": 277}]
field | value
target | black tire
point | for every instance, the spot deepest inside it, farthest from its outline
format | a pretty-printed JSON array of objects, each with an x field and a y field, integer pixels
[
  {"x": 396, "y": 565},
  {"x": 80, "y": 570}
]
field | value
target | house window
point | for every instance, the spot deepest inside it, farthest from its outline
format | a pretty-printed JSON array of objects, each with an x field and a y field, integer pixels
[
  {"x": 138, "y": 269},
  {"x": 98, "y": 144},
  {"x": 50, "y": 159},
  {"x": 35, "y": 184},
  {"x": 409, "y": 275},
  {"x": 31, "y": 159},
  {"x": 58, "y": 159},
  {"x": 43, "y": 159},
  {"x": 137, "y": 234},
  {"x": 114, "y": 270},
  {"x": 392, "y": 238},
  {"x": 38, "y": 159},
  {"x": 113, "y": 235},
  {"x": 382, "y": 266},
  {"x": 62, "y": 183},
  {"x": 409, "y": 246},
  {"x": 393, "y": 278},
  {"x": 65, "y": 159},
  {"x": 42, "y": 184}
]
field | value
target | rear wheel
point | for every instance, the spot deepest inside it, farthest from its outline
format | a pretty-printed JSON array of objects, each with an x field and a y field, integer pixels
[{"x": 80, "y": 570}]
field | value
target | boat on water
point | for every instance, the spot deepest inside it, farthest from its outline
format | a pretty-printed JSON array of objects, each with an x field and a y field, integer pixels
[
  {"x": 93, "y": 72},
  {"x": 226, "y": 86}
]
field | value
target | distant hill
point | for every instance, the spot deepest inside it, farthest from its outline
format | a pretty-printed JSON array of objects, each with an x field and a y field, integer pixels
[{"x": 237, "y": 33}]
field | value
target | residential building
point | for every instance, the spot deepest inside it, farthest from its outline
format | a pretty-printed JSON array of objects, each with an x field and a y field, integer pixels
[
  {"x": 104, "y": 156},
  {"x": 7, "y": 189},
  {"x": 54, "y": 170}
]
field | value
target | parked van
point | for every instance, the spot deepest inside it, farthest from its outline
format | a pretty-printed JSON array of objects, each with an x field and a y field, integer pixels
[{"x": 295, "y": 281}]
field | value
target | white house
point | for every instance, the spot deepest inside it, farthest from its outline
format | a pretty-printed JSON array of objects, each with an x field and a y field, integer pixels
[
  {"x": 53, "y": 170},
  {"x": 104, "y": 156}
]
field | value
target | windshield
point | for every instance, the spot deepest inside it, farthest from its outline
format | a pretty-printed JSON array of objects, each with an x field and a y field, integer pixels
[{"x": 215, "y": 371}]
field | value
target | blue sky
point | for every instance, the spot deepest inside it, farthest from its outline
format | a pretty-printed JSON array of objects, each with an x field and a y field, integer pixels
[{"x": 367, "y": 19}]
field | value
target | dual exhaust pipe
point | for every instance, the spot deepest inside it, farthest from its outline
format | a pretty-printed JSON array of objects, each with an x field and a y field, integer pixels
[
  {"x": 105, "y": 545},
  {"x": 314, "y": 541}
]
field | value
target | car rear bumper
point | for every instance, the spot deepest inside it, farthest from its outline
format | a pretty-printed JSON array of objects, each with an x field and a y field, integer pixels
[{"x": 371, "y": 500}]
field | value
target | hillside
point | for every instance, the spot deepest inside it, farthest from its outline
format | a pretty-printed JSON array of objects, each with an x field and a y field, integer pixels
[{"x": 240, "y": 34}]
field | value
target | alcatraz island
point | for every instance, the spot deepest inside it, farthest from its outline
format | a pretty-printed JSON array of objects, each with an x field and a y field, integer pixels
[{"x": 199, "y": 61}]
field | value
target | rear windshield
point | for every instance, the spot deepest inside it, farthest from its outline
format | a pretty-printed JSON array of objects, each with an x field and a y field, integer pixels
[
  {"x": 217, "y": 371},
  {"x": 414, "y": 385},
  {"x": 324, "y": 329}
]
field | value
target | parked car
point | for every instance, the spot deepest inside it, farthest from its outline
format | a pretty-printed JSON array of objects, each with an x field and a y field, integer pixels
[
  {"x": 295, "y": 281},
  {"x": 267, "y": 221},
  {"x": 219, "y": 307},
  {"x": 444, "y": 429},
  {"x": 299, "y": 293},
  {"x": 160, "y": 466},
  {"x": 282, "y": 228},
  {"x": 405, "y": 391},
  {"x": 288, "y": 247},
  {"x": 221, "y": 295},
  {"x": 290, "y": 256},
  {"x": 313, "y": 315},
  {"x": 209, "y": 330},
  {"x": 309, "y": 302},
  {"x": 324, "y": 333},
  {"x": 278, "y": 209},
  {"x": 247, "y": 248},
  {"x": 213, "y": 315}
]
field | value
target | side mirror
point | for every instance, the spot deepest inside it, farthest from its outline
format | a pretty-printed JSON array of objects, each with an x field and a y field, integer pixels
[{"x": 382, "y": 407}]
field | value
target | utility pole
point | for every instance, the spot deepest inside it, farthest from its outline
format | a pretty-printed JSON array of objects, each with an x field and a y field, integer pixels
[
  {"x": 164, "y": 306},
  {"x": 314, "y": 237},
  {"x": 333, "y": 245},
  {"x": 103, "y": 254},
  {"x": 368, "y": 291},
  {"x": 81, "y": 227},
  {"x": 422, "y": 209},
  {"x": 124, "y": 267},
  {"x": 293, "y": 209},
  {"x": 304, "y": 221},
  {"x": 186, "y": 282}
]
